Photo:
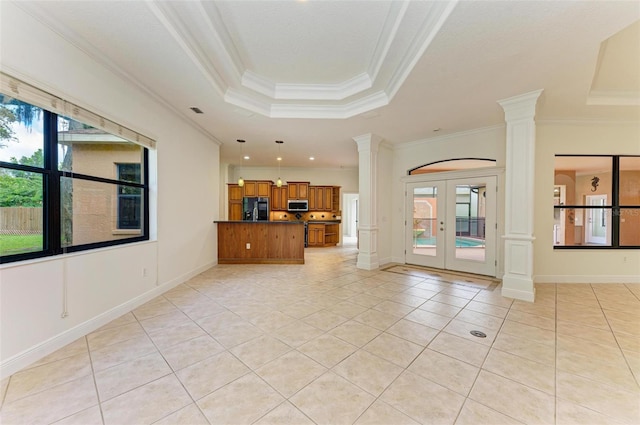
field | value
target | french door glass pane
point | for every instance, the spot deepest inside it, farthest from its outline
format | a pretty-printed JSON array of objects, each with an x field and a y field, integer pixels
[
  {"x": 425, "y": 220},
  {"x": 470, "y": 222}
]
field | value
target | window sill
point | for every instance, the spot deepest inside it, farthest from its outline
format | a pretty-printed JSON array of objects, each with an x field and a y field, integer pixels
[{"x": 128, "y": 232}]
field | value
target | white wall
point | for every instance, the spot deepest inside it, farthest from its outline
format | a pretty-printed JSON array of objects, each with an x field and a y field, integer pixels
[
  {"x": 487, "y": 143},
  {"x": 103, "y": 284},
  {"x": 591, "y": 266},
  {"x": 385, "y": 208}
]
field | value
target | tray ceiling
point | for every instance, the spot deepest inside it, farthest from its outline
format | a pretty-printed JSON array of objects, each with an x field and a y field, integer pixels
[{"x": 318, "y": 73}]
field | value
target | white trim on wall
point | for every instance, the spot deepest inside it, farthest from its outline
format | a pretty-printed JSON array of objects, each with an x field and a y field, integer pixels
[
  {"x": 37, "y": 352},
  {"x": 603, "y": 279}
]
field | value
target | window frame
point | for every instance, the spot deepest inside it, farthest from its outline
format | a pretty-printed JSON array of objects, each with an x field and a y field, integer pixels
[
  {"x": 51, "y": 180},
  {"x": 121, "y": 196},
  {"x": 614, "y": 206}
]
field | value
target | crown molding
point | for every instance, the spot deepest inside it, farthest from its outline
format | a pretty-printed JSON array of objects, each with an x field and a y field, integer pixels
[
  {"x": 445, "y": 137},
  {"x": 439, "y": 13},
  {"x": 388, "y": 34},
  {"x": 613, "y": 98},
  {"x": 340, "y": 91},
  {"x": 203, "y": 57},
  {"x": 587, "y": 122},
  {"x": 88, "y": 49},
  {"x": 282, "y": 110},
  {"x": 375, "y": 100},
  {"x": 251, "y": 103},
  {"x": 287, "y": 91},
  {"x": 209, "y": 45}
]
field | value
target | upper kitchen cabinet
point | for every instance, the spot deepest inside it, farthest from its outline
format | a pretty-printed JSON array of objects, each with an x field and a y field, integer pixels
[
  {"x": 279, "y": 198},
  {"x": 298, "y": 190},
  {"x": 257, "y": 188},
  {"x": 235, "y": 192},
  {"x": 235, "y": 202},
  {"x": 324, "y": 198}
]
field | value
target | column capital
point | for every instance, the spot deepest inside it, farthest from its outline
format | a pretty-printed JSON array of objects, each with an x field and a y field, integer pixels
[
  {"x": 520, "y": 107},
  {"x": 368, "y": 142}
]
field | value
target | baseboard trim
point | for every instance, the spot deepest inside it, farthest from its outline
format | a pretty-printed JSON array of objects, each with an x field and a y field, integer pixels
[
  {"x": 39, "y": 351},
  {"x": 587, "y": 279},
  {"x": 519, "y": 294}
]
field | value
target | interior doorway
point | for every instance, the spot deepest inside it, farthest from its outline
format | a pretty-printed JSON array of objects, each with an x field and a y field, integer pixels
[
  {"x": 596, "y": 228},
  {"x": 350, "y": 218},
  {"x": 451, "y": 224}
]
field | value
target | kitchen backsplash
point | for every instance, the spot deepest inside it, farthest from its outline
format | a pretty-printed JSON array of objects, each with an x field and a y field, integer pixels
[{"x": 305, "y": 216}]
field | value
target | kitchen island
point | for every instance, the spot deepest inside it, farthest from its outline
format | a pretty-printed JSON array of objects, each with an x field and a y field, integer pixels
[{"x": 260, "y": 242}]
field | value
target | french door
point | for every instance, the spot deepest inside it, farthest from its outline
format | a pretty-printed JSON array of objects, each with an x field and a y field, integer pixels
[{"x": 451, "y": 224}]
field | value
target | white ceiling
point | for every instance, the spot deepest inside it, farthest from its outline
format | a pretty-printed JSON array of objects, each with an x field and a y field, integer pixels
[{"x": 318, "y": 73}]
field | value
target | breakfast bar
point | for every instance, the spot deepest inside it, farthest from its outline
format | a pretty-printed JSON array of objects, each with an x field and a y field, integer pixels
[{"x": 260, "y": 242}]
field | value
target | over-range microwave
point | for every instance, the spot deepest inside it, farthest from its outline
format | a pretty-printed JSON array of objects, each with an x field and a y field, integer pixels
[{"x": 298, "y": 205}]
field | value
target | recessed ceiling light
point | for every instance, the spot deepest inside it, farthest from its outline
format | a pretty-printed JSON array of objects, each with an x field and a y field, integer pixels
[
  {"x": 311, "y": 158},
  {"x": 196, "y": 110},
  {"x": 246, "y": 157},
  {"x": 279, "y": 158}
]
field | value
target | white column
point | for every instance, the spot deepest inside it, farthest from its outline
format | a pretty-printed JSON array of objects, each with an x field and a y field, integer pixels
[
  {"x": 519, "y": 114},
  {"x": 368, "y": 203}
]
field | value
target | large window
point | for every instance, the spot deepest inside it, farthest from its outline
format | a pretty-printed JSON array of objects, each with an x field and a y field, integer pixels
[
  {"x": 66, "y": 186},
  {"x": 129, "y": 198},
  {"x": 596, "y": 202}
]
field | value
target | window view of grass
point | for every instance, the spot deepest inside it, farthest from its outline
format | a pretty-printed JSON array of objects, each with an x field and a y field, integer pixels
[{"x": 18, "y": 244}]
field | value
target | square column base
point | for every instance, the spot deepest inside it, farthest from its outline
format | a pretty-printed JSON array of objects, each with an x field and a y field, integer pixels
[{"x": 519, "y": 288}]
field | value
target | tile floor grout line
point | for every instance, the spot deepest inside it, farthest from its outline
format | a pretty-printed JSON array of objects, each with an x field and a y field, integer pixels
[
  {"x": 387, "y": 290},
  {"x": 629, "y": 368},
  {"x": 93, "y": 376}
]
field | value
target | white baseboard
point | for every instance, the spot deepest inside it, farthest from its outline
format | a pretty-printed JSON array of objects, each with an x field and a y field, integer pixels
[
  {"x": 21, "y": 360},
  {"x": 586, "y": 279},
  {"x": 367, "y": 261},
  {"x": 384, "y": 261},
  {"x": 519, "y": 294}
]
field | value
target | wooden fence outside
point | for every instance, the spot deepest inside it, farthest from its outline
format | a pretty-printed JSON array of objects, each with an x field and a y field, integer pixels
[{"x": 20, "y": 220}]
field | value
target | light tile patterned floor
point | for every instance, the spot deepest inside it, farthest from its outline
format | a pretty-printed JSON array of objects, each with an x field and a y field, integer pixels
[{"x": 326, "y": 343}]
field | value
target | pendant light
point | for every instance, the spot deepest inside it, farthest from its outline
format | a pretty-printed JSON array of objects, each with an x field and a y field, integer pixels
[
  {"x": 279, "y": 181},
  {"x": 240, "y": 179}
]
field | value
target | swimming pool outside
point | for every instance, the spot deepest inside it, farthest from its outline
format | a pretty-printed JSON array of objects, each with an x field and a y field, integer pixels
[{"x": 461, "y": 242}]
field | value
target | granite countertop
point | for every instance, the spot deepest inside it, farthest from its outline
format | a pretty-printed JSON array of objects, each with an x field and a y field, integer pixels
[
  {"x": 258, "y": 222},
  {"x": 323, "y": 222}
]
